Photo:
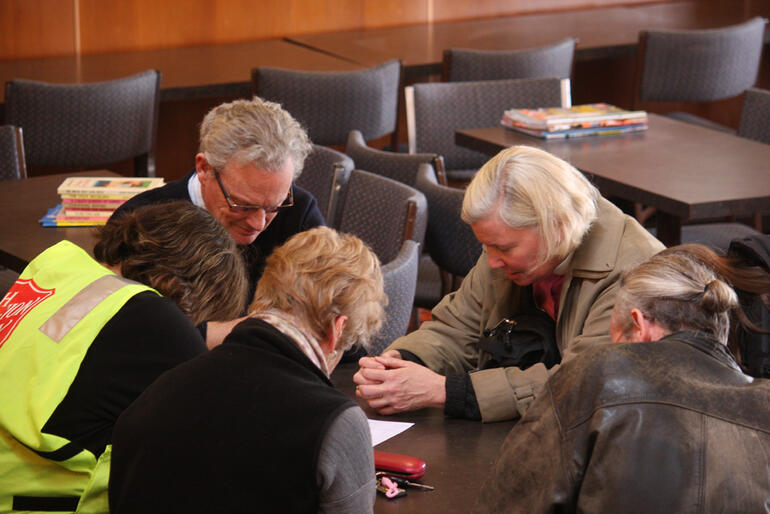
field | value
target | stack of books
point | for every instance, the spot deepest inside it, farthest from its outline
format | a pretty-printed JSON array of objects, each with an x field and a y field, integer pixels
[
  {"x": 576, "y": 121},
  {"x": 89, "y": 201}
]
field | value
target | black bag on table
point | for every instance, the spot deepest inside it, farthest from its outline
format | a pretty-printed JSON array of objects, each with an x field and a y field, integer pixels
[{"x": 522, "y": 340}]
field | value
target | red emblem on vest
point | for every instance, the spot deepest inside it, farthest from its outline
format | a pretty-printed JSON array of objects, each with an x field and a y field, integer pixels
[{"x": 24, "y": 296}]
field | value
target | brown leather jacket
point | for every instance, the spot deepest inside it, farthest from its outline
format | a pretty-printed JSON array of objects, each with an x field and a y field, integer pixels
[{"x": 667, "y": 426}]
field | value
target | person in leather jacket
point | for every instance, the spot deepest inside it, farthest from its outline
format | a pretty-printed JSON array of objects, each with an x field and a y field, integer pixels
[{"x": 664, "y": 422}]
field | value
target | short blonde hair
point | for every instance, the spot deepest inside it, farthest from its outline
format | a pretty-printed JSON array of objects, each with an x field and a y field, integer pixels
[
  {"x": 530, "y": 188},
  {"x": 253, "y": 132},
  {"x": 677, "y": 292},
  {"x": 320, "y": 274}
]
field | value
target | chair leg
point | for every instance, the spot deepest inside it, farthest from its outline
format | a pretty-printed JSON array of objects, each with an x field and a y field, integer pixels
[{"x": 642, "y": 213}]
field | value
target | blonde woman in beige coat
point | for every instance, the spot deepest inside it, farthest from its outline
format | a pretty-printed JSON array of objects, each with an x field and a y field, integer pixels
[{"x": 540, "y": 220}]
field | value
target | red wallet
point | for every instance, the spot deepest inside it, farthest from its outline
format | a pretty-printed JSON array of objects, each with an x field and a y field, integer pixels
[{"x": 401, "y": 465}]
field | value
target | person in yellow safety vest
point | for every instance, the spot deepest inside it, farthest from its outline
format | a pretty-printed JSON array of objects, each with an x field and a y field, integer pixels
[{"x": 81, "y": 339}]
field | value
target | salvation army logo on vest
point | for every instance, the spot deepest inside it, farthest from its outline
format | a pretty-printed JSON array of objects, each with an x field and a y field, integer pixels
[{"x": 23, "y": 296}]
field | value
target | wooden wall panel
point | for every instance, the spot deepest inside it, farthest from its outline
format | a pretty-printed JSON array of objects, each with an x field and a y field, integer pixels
[
  {"x": 447, "y": 10},
  {"x": 36, "y": 28},
  {"x": 147, "y": 24}
]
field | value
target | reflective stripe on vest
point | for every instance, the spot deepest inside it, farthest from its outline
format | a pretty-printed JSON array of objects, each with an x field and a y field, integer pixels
[
  {"x": 48, "y": 321},
  {"x": 62, "y": 321}
]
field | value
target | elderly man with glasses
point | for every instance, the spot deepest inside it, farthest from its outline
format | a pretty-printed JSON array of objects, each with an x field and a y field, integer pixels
[{"x": 250, "y": 153}]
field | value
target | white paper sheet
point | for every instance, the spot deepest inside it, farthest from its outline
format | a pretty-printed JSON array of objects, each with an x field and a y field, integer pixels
[{"x": 384, "y": 430}]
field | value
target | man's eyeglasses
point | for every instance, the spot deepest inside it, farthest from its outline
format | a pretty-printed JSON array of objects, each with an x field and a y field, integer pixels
[{"x": 243, "y": 209}]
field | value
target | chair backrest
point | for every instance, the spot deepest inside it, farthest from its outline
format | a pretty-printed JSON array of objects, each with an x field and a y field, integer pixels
[
  {"x": 400, "y": 281},
  {"x": 383, "y": 213},
  {"x": 755, "y": 116},
  {"x": 450, "y": 242},
  {"x": 462, "y": 64},
  {"x": 12, "y": 164},
  {"x": 331, "y": 104},
  {"x": 87, "y": 124},
  {"x": 325, "y": 174},
  {"x": 434, "y": 111},
  {"x": 698, "y": 65},
  {"x": 398, "y": 166}
]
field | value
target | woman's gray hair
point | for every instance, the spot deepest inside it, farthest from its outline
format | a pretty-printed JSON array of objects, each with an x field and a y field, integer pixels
[
  {"x": 530, "y": 188},
  {"x": 253, "y": 132},
  {"x": 677, "y": 292}
]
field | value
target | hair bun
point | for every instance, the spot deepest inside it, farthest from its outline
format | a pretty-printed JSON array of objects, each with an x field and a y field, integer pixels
[{"x": 719, "y": 297}]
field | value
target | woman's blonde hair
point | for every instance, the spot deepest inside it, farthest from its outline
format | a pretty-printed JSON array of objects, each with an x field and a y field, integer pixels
[
  {"x": 184, "y": 253},
  {"x": 530, "y": 188},
  {"x": 677, "y": 292},
  {"x": 320, "y": 274}
]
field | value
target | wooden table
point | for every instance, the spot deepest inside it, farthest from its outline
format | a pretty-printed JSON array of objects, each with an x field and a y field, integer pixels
[
  {"x": 459, "y": 454},
  {"x": 685, "y": 171},
  {"x": 602, "y": 33},
  {"x": 22, "y": 204},
  {"x": 190, "y": 72}
]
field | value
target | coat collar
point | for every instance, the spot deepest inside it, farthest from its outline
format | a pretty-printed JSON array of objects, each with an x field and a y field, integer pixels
[{"x": 597, "y": 254}]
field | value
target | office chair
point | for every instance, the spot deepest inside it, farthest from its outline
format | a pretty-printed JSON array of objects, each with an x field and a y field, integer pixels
[
  {"x": 460, "y": 64},
  {"x": 434, "y": 111},
  {"x": 12, "y": 167},
  {"x": 325, "y": 174},
  {"x": 698, "y": 65},
  {"x": 87, "y": 125},
  {"x": 401, "y": 167},
  {"x": 755, "y": 125},
  {"x": 12, "y": 163},
  {"x": 331, "y": 104},
  {"x": 448, "y": 239},
  {"x": 755, "y": 116},
  {"x": 385, "y": 214},
  {"x": 399, "y": 278}
]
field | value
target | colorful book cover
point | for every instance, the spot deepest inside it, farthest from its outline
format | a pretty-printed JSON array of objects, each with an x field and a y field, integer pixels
[
  {"x": 91, "y": 203},
  {"x": 582, "y": 132},
  {"x": 107, "y": 187},
  {"x": 54, "y": 218},
  {"x": 577, "y": 116}
]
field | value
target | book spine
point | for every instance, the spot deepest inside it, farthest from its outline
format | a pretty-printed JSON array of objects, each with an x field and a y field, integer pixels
[
  {"x": 95, "y": 196},
  {"x": 86, "y": 213},
  {"x": 68, "y": 223}
]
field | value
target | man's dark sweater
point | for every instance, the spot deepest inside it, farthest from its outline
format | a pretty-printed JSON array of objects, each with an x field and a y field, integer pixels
[{"x": 304, "y": 215}]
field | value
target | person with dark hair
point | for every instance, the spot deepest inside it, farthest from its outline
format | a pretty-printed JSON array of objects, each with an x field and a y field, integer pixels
[
  {"x": 256, "y": 424},
  {"x": 80, "y": 339},
  {"x": 664, "y": 422}
]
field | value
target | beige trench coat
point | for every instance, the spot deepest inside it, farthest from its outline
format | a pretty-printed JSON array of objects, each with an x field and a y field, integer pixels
[{"x": 448, "y": 344}]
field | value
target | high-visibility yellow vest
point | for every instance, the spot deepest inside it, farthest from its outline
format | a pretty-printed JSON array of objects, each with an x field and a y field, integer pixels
[{"x": 48, "y": 320}]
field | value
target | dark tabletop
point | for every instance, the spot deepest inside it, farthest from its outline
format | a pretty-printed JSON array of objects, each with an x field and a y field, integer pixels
[
  {"x": 686, "y": 171},
  {"x": 189, "y": 72},
  {"x": 22, "y": 204},
  {"x": 605, "y": 32},
  {"x": 458, "y": 453}
]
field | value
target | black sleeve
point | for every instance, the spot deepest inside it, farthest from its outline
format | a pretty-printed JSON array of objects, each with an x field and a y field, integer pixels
[
  {"x": 409, "y": 356},
  {"x": 461, "y": 397},
  {"x": 146, "y": 337}
]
